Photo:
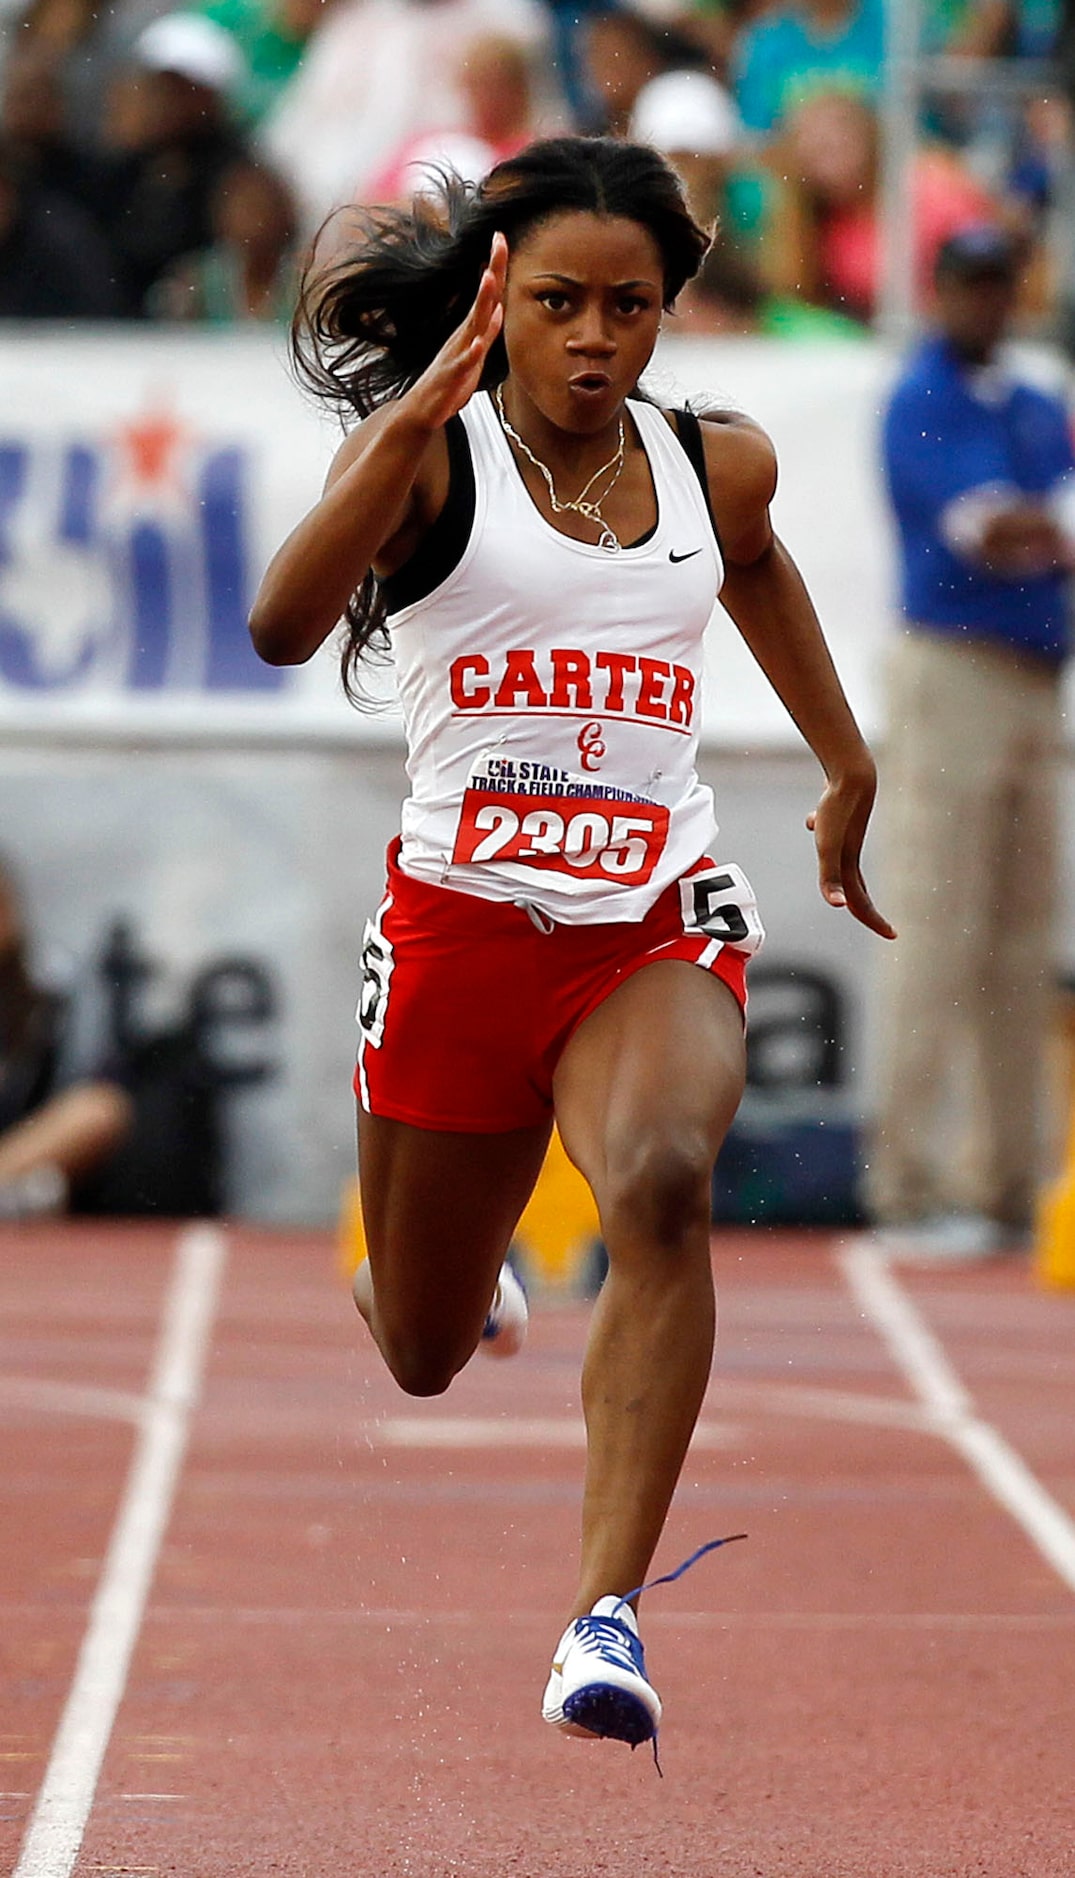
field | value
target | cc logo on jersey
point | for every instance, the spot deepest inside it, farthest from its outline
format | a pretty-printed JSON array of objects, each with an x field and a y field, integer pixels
[{"x": 591, "y": 746}]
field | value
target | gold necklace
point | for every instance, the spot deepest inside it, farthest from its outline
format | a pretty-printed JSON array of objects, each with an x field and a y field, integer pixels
[{"x": 582, "y": 504}]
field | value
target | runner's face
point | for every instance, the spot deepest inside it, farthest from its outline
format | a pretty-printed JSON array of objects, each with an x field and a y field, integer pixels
[{"x": 582, "y": 309}]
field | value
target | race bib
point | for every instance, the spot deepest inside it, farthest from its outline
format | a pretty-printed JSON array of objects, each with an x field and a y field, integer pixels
[
  {"x": 546, "y": 817},
  {"x": 719, "y": 901}
]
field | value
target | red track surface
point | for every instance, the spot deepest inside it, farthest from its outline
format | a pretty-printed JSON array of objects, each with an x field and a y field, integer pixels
[{"x": 347, "y": 1635}]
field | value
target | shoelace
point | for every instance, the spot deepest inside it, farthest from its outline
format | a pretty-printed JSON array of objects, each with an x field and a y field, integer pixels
[
  {"x": 609, "y": 1637},
  {"x": 668, "y": 1578}
]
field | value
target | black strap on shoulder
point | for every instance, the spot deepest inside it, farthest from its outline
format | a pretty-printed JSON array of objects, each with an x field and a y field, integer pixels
[
  {"x": 442, "y": 549},
  {"x": 689, "y": 432}
]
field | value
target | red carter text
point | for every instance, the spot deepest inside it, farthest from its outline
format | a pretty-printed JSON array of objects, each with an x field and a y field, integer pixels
[{"x": 572, "y": 680}]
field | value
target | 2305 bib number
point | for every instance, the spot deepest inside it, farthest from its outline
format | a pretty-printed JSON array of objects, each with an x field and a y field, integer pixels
[{"x": 595, "y": 840}]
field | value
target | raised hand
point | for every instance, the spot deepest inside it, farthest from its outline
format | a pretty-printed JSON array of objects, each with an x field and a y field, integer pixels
[{"x": 453, "y": 377}]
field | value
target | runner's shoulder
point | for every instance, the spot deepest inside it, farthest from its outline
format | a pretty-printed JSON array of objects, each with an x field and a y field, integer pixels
[{"x": 739, "y": 453}]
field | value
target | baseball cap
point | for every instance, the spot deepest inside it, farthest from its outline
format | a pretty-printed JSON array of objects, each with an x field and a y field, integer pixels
[
  {"x": 685, "y": 111},
  {"x": 981, "y": 251},
  {"x": 193, "y": 47}
]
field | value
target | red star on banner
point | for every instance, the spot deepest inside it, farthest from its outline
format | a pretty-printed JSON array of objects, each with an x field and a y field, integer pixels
[{"x": 150, "y": 443}]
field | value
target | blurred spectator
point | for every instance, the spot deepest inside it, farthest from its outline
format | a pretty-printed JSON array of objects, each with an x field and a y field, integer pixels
[
  {"x": 728, "y": 297},
  {"x": 376, "y": 74},
  {"x": 90, "y": 42},
  {"x": 981, "y": 477},
  {"x": 1035, "y": 185},
  {"x": 824, "y": 236},
  {"x": 996, "y": 132},
  {"x": 569, "y": 19},
  {"x": 717, "y": 27},
  {"x": 693, "y": 122},
  {"x": 1039, "y": 159},
  {"x": 650, "y": 86},
  {"x": 54, "y": 263},
  {"x": 172, "y": 140},
  {"x": 998, "y": 28},
  {"x": 971, "y": 28},
  {"x": 32, "y": 119},
  {"x": 250, "y": 272},
  {"x": 494, "y": 82},
  {"x": 622, "y": 51},
  {"x": 792, "y": 51},
  {"x": 51, "y": 1135},
  {"x": 272, "y": 36}
]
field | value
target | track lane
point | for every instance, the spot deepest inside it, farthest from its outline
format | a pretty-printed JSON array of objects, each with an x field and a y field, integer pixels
[
  {"x": 347, "y": 1637},
  {"x": 66, "y": 1794}
]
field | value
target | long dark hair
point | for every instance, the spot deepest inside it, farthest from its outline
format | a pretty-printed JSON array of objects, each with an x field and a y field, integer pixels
[{"x": 369, "y": 324}]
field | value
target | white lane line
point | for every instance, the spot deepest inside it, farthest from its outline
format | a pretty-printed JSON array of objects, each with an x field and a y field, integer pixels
[
  {"x": 474, "y": 1431},
  {"x": 315, "y": 1618},
  {"x": 70, "y": 1398},
  {"x": 560, "y": 1431},
  {"x": 951, "y": 1412},
  {"x": 506, "y": 1431},
  {"x": 58, "y": 1822},
  {"x": 829, "y": 1405}
]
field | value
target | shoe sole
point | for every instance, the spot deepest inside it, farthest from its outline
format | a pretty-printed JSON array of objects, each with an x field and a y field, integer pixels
[{"x": 609, "y": 1713}]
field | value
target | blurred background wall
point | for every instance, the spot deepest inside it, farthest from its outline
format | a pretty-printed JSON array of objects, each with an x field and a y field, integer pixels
[
  {"x": 196, "y": 839},
  {"x": 154, "y": 776}
]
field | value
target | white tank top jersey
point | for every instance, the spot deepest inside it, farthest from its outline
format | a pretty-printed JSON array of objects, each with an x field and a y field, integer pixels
[{"x": 551, "y": 694}]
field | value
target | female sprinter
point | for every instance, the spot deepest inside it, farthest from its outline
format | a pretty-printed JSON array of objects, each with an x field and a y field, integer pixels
[{"x": 554, "y": 940}]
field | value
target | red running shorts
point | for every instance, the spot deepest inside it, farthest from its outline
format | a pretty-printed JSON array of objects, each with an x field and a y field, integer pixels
[{"x": 466, "y": 1004}]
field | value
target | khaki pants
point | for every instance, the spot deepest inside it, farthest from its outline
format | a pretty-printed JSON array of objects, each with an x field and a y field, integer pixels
[{"x": 967, "y": 819}]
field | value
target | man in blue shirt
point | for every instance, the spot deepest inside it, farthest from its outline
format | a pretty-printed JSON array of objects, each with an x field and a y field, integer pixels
[{"x": 979, "y": 467}]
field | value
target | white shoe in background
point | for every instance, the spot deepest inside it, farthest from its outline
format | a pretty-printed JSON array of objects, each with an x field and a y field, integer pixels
[
  {"x": 39, "y": 1194},
  {"x": 509, "y": 1316},
  {"x": 948, "y": 1239},
  {"x": 504, "y": 1331}
]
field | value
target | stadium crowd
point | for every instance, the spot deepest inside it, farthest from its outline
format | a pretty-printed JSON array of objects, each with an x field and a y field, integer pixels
[{"x": 164, "y": 164}]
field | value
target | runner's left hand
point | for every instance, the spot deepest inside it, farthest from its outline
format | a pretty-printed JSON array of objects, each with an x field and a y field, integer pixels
[{"x": 838, "y": 826}]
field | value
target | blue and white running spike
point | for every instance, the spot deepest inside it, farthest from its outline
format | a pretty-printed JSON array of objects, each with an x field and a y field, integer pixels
[
  {"x": 598, "y": 1687},
  {"x": 505, "y": 1327}
]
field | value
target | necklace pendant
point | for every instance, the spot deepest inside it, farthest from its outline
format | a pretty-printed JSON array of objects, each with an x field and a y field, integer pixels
[{"x": 608, "y": 540}]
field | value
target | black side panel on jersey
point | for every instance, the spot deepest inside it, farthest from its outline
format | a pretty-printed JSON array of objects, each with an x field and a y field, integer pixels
[
  {"x": 444, "y": 546},
  {"x": 689, "y": 432}
]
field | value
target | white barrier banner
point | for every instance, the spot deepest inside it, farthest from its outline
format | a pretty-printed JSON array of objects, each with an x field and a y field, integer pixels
[{"x": 146, "y": 478}]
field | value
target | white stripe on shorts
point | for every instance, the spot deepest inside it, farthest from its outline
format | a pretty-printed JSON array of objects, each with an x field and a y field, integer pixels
[{"x": 363, "y": 1085}]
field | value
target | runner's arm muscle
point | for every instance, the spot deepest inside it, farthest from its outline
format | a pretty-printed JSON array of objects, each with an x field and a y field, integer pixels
[
  {"x": 766, "y": 598},
  {"x": 386, "y": 485},
  {"x": 375, "y": 492}
]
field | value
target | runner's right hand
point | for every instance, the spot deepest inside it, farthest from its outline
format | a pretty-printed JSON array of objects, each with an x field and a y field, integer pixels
[{"x": 455, "y": 374}]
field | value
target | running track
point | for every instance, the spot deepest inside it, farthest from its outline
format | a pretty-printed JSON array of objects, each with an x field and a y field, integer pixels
[{"x": 261, "y": 1614}]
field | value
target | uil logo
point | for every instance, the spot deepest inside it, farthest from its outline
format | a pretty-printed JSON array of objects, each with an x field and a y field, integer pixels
[
  {"x": 124, "y": 562},
  {"x": 591, "y": 746}
]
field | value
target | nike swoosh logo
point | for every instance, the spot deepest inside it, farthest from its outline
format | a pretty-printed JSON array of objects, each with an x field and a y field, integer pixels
[{"x": 689, "y": 556}]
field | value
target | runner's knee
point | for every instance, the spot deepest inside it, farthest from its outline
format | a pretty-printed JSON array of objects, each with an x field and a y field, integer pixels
[
  {"x": 660, "y": 1191},
  {"x": 419, "y": 1368}
]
